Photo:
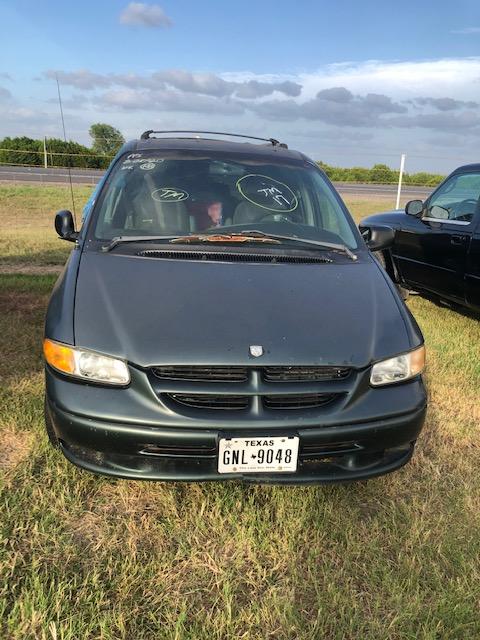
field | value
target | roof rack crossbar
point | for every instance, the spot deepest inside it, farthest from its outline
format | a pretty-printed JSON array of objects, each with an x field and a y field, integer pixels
[{"x": 147, "y": 134}]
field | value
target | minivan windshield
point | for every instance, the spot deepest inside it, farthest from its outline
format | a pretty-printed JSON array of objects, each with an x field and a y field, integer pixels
[{"x": 157, "y": 193}]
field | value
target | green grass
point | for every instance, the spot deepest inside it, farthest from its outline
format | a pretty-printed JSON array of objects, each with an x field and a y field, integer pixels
[
  {"x": 396, "y": 557},
  {"x": 27, "y": 213},
  {"x": 86, "y": 557}
]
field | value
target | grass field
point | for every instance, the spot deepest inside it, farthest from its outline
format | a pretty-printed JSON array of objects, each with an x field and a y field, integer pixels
[{"x": 84, "y": 557}]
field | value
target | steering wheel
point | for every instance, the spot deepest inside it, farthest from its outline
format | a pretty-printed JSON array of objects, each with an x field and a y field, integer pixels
[
  {"x": 279, "y": 216},
  {"x": 465, "y": 215},
  {"x": 467, "y": 201}
]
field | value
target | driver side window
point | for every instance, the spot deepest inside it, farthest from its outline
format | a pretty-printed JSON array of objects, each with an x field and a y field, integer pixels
[{"x": 457, "y": 200}]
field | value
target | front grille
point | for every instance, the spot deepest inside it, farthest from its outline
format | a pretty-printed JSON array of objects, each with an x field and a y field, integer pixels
[
  {"x": 228, "y": 256},
  {"x": 251, "y": 389},
  {"x": 210, "y": 400},
  {"x": 304, "y": 374},
  {"x": 201, "y": 374},
  {"x": 240, "y": 374},
  {"x": 237, "y": 402},
  {"x": 298, "y": 401}
]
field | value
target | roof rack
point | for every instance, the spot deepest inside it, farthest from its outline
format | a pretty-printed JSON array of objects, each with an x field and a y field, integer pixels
[{"x": 146, "y": 135}]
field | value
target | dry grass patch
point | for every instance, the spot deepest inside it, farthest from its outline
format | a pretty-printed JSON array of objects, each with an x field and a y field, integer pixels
[
  {"x": 16, "y": 445},
  {"x": 27, "y": 212}
]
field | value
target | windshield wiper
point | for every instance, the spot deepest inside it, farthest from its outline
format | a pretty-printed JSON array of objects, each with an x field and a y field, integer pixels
[
  {"x": 251, "y": 235},
  {"x": 121, "y": 239},
  {"x": 218, "y": 237},
  {"x": 259, "y": 235},
  {"x": 226, "y": 237}
]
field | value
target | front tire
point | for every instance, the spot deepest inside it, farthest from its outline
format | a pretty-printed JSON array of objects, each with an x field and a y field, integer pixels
[
  {"x": 380, "y": 257},
  {"x": 52, "y": 436}
]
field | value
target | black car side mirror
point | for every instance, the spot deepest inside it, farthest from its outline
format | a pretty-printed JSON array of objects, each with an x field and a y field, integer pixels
[
  {"x": 64, "y": 226},
  {"x": 414, "y": 208},
  {"x": 378, "y": 238}
]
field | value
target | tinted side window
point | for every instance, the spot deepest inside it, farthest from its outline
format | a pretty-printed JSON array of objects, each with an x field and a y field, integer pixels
[{"x": 457, "y": 199}]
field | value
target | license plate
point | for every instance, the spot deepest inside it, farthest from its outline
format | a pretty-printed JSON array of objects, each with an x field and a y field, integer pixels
[{"x": 258, "y": 455}]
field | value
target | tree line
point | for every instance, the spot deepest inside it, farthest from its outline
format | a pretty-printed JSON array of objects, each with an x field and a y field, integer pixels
[
  {"x": 380, "y": 174},
  {"x": 106, "y": 140}
]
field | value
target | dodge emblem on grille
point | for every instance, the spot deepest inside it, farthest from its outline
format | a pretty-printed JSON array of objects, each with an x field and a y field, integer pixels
[{"x": 256, "y": 350}]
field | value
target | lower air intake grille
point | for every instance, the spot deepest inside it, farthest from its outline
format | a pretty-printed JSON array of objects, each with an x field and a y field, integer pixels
[
  {"x": 304, "y": 401},
  {"x": 304, "y": 374},
  {"x": 210, "y": 401}
]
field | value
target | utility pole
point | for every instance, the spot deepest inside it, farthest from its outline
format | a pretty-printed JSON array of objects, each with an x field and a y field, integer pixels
[{"x": 400, "y": 177}]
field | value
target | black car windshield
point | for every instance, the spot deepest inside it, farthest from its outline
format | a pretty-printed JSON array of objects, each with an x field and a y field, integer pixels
[{"x": 168, "y": 193}]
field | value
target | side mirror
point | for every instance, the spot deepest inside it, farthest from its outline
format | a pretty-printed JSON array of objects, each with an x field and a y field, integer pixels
[
  {"x": 64, "y": 226},
  {"x": 378, "y": 238},
  {"x": 414, "y": 208}
]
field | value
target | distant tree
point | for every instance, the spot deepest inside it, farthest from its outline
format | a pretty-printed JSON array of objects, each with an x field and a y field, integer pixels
[
  {"x": 72, "y": 154},
  {"x": 382, "y": 173},
  {"x": 107, "y": 140},
  {"x": 21, "y": 150}
]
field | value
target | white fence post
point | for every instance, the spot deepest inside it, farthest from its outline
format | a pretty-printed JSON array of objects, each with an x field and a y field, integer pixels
[
  {"x": 400, "y": 176},
  {"x": 45, "y": 163}
]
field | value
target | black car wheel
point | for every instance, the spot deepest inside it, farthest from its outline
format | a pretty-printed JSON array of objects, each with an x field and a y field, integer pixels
[
  {"x": 49, "y": 426},
  {"x": 379, "y": 255}
]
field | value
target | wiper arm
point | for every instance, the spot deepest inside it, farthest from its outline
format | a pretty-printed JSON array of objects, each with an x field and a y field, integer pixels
[
  {"x": 325, "y": 245},
  {"x": 225, "y": 237},
  {"x": 121, "y": 239}
]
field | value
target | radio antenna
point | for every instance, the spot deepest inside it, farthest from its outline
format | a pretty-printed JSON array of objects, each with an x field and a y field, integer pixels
[{"x": 65, "y": 140}]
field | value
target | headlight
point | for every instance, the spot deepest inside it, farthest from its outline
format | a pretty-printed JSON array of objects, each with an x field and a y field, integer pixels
[
  {"x": 399, "y": 368},
  {"x": 85, "y": 364}
]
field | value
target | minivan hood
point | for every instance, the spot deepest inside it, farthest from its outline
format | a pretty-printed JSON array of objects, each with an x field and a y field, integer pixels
[{"x": 157, "y": 311}]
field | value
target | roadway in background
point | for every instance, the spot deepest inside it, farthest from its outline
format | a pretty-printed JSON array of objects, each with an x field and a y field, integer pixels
[{"x": 92, "y": 176}]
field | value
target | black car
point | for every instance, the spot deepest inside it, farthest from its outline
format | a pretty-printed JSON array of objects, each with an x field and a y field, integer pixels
[
  {"x": 436, "y": 250},
  {"x": 221, "y": 317}
]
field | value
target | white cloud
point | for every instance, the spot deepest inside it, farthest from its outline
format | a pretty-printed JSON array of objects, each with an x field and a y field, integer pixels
[
  {"x": 144, "y": 15},
  {"x": 467, "y": 31},
  {"x": 347, "y": 113},
  {"x": 457, "y": 78}
]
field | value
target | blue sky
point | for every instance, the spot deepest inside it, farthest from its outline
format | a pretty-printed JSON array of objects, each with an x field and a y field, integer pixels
[{"x": 349, "y": 82}]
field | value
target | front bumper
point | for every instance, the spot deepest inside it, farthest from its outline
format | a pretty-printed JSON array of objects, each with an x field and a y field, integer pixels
[{"x": 329, "y": 451}]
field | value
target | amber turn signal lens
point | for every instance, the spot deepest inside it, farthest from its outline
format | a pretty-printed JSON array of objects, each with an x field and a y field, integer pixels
[
  {"x": 417, "y": 360},
  {"x": 59, "y": 356}
]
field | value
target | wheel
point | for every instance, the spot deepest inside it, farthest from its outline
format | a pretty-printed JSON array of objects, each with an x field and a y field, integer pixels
[
  {"x": 52, "y": 436},
  {"x": 381, "y": 259},
  {"x": 401, "y": 290}
]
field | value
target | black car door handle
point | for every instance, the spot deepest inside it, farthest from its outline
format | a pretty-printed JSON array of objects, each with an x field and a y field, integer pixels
[{"x": 457, "y": 239}]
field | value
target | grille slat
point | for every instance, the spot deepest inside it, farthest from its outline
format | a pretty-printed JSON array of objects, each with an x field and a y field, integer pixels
[
  {"x": 179, "y": 451},
  {"x": 298, "y": 401},
  {"x": 210, "y": 401},
  {"x": 202, "y": 374},
  {"x": 304, "y": 374}
]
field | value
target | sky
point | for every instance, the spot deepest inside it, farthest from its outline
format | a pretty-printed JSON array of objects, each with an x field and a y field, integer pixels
[{"x": 347, "y": 82}]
